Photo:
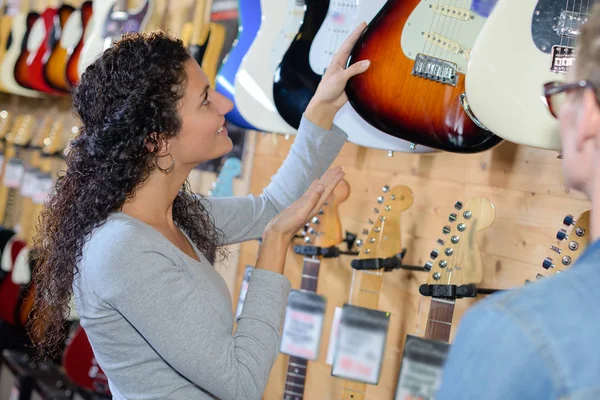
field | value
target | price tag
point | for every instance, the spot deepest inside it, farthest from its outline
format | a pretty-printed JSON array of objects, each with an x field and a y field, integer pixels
[
  {"x": 14, "y": 174},
  {"x": 42, "y": 190},
  {"x": 243, "y": 290},
  {"x": 335, "y": 328},
  {"x": 303, "y": 325},
  {"x": 360, "y": 344},
  {"x": 29, "y": 184},
  {"x": 421, "y": 370}
]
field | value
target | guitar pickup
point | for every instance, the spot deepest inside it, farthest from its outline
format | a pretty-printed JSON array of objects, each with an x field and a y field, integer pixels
[
  {"x": 562, "y": 59},
  {"x": 462, "y": 14},
  {"x": 435, "y": 69}
]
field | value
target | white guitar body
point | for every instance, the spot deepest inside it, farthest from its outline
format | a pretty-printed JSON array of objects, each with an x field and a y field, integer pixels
[
  {"x": 94, "y": 43},
  {"x": 7, "y": 70},
  {"x": 505, "y": 78},
  {"x": 281, "y": 21},
  {"x": 342, "y": 17}
]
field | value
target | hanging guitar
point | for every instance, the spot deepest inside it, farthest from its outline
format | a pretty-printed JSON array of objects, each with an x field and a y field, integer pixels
[
  {"x": 380, "y": 250},
  {"x": 324, "y": 231},
  {"x": 249, "y": 23},
  {"x": 342, "y": 17},
  {"x": 21, "y": 24},
  {"x": 573, "y": 239},
  {"x": 542, "y": 36},
  {"x": 280, "y": 23},
  {"x": 110, "y": 20},
  {"x": 295, "y": 82},
  {"x": 414, "y": 88}
]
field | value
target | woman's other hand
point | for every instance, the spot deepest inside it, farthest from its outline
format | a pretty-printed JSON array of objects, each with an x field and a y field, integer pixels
[{"x": 330, "y": 95}]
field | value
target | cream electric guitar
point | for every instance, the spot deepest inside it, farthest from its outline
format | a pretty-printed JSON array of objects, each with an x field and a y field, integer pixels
[
  {"x": 534, "y": 41},
  {"x": 17, "y": 37},
  {"x": 281, "y": 21},
  {"x": 111, "y": 19},
  {"x": 342, "y": 17}
]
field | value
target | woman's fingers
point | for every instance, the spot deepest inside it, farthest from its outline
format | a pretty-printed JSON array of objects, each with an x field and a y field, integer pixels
[
  {"x": 329, "y": 184},
  {"x": 343, "y": 53}
]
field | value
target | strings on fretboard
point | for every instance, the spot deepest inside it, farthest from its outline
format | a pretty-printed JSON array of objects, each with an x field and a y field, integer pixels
[{"x": 439, "y": 321}]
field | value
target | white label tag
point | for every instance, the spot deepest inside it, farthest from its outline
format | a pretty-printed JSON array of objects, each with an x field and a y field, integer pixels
[
  {"x": 360, "y": 344},
  {"x": 421, "y": 370},
  {"x": 303, "y": 324},
  {"x": 36, "y": 35},
  {"x": 72, "y": 31},
  {"x": 13, "y": 174},
  {"x": 29, "y": 185},
  {"x": 335, "y": 327},
  {"x": 42, "y": 190},
  {"x": 243, "y": 290}
]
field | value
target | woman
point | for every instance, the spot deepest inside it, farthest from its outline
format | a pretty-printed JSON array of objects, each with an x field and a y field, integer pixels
[{"x": 123, "y": 231}]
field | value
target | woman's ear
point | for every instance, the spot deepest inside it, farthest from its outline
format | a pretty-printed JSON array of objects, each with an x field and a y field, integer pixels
[{"x": 156, "y": 143}]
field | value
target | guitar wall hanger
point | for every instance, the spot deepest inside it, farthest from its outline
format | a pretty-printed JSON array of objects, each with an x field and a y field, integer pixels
[
  {"x": 326, "y": 252},
  {"x": 448, "y": 291}
]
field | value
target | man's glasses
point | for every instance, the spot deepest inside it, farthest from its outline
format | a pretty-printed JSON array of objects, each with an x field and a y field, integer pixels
[{"x": 556, "y": 93}]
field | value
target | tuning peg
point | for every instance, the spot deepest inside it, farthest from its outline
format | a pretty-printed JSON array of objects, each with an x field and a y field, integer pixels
[
  {"x": 387, "y": 208},
  {"x": 312, "y": 231},
  {"x": 443, "y": 263},
  {"x": 569, "y": 220},
  {"x": 307, "y": 239},
  {"x": 440, "y": 242},
  {"x": 377, "y": 230},
  {"x": 380, "y": 199},
  {"x": 390, "y": 153},
  {"x": 561, "y": 234},
  {"x": 428, "y": 265},
  {"x": 376, "y": 210},
  {"x": 434, "y": 254},
  {"x": 580, "y": 231},
  {"x": 372, "y": 240},
  {"x": 548, "y": 263},
  {"x": 315, "y": 220},
  {"x": 437, "y": 276},
  {"x": 321, "y": 212},
  {"x": 566, "y": 260},
  {"x": 359, "y": 243},
  {"x": 461, "y": 227},
  {"x": 370, "y": 221},
  {"x": 454, "y": 239},
  {"x": 446, "y": 230},
  {"x": 365, "y": 231},
  {"x": 539, "y": 276},
  {"x": 393, "y": 197},
  {"x": 467, "y": 214},
  {"x": 449, "y": 251},
  {"x": 386, "y": 189},
  {"x": 573, "y": 245},
  {"x": 458, "y": 205},
  {"x": 452, "y": 217}
]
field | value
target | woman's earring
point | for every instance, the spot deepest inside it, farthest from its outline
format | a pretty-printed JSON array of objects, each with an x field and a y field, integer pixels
[{"x": 169, "y": 168}]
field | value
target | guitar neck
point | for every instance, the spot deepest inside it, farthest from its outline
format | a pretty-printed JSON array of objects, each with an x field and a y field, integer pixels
[
  {"x": 439, "y": 321},
  {"x": 201, "y": 21},
  {"x": 296, "y": 371}
]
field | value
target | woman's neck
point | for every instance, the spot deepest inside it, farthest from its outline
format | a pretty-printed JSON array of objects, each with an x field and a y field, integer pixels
[{"x": 153, "y": 200}]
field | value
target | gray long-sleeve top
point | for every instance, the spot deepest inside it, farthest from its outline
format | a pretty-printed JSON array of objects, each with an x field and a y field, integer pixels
[{"x": 161, "y": 323}]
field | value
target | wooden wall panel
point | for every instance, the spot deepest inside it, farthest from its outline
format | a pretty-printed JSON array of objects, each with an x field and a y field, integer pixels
[{"x": 525, "y": 185}]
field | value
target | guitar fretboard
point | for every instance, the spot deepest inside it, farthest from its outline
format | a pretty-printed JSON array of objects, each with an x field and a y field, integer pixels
[
  {"x": 439, "y": 321},
  {"x": 296, "y": 371}
]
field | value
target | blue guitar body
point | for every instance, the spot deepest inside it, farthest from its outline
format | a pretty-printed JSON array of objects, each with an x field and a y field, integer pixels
[
  {"x": 223, "y": 187},
  {"x": 249, "y": 23}
]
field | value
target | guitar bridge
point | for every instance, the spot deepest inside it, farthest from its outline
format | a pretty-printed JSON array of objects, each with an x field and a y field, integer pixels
[
  {"x": 435, "y": 69},
  {"x": 562, "y": 59}
]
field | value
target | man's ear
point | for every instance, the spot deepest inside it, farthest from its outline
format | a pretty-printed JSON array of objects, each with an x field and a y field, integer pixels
[
  {"x": 156, "y": 143},
  {"x": 589, "y": 120}
]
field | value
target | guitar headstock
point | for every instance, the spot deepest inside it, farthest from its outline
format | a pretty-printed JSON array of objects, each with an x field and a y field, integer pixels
[
  {"x": 456, "y": 260},
  {"x": 325, "y": 229},
  {"x": 383, "y": 239},
  {"x": 572, "y": 242}
]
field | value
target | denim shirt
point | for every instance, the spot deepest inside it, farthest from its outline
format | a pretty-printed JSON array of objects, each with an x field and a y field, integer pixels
[{"x": 538, "y": 342}]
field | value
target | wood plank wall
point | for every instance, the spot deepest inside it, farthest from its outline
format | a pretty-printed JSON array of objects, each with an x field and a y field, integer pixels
[{"x": 525, "y": 185}]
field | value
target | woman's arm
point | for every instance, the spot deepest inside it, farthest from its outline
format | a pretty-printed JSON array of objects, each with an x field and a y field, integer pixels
[{"x": 245, "y": 218}]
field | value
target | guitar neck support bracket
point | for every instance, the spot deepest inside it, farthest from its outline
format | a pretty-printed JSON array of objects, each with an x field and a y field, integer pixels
[
  {"x": 448, "y": 291},
  {"x": 325, "y": 252},
  {"x": 373, "y": 264}
]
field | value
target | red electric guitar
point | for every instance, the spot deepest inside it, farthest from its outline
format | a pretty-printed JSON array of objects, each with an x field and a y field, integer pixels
[{"x": 86, "y": 17}]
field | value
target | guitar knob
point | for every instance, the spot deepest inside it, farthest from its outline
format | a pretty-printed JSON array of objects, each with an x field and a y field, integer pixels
[
  {"x": 561, "y": 234},
  {"x": 548, "y": 263},
  {"x": 569, "y": 220},
  {"x": 434, "y": 254}
]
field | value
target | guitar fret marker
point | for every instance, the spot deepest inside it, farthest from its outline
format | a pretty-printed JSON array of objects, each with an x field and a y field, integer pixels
[
  {"x": 309, "y": 276},
  {"x": 297, "y": 365}
]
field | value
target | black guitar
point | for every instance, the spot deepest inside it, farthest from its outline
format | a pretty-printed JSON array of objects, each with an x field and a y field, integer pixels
[{"x": 295, "y": 82}]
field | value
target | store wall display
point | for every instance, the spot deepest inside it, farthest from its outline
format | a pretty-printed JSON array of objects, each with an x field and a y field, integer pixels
[
  {"x": 415, "y": 91},
  {"x": 280, "y": 23},
  {"x": 542, "y": 37},
  {"x": 295, "y": 82}
]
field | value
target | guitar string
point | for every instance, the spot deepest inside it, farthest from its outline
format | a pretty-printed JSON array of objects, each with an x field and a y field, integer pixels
[
  {"x": 444, "y": 32},
  {"x": 426, "y": 43},
  {"x": 331, "y": 28},
  {"x": 456, "y": 25},
  {"x": 436, "y": 31}
]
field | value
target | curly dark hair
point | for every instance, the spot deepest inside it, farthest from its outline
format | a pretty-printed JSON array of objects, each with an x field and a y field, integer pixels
[{"x": 129, "y": 93}]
